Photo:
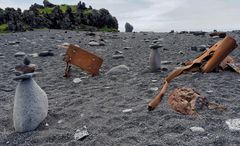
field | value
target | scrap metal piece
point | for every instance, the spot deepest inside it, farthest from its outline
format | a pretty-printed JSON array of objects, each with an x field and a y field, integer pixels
[
  {"x": 235, "y": 66},
  {"x": 206, "y": 62},
  {"x": 183, "y": 100},
  {"x": 188, "y": 102},
  {"x": 83, "y": 59}
]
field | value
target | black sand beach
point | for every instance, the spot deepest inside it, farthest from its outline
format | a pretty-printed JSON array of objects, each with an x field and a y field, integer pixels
[{"x": 98, "y": 102}]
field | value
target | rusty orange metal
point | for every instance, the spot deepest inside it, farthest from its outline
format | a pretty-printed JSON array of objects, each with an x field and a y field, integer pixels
[
  {"x": 183, "y": 100},
  {"x": 83, "y": 59},
  {"x": 206, "y": 62}
]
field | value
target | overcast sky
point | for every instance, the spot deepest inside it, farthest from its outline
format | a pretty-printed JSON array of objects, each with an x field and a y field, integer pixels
[{"x": 161, "y": 15}]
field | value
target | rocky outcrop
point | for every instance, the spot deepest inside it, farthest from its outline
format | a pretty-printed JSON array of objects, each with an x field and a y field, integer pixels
[
  {"x": 57, "y": 17},
  {"x": 128, "y": 27}
]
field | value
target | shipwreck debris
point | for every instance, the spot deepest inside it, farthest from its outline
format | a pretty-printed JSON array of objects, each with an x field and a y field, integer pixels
[
  {"x": 83, "y": 59},
  {"x": 206, "y": 62},
  {"x": 188, "y": 101}
]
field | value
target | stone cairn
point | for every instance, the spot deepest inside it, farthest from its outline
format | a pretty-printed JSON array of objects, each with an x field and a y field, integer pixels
[{"x": 30, "y": 101}]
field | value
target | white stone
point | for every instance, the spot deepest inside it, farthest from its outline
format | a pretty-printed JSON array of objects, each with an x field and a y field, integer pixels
[
  {"x": 118, "y": 70},
  {"x": 94, "y": 44},
  {"x": 127, "y": 110},
  {"x": 30, "y": 106},
  {"x": 80, "y": 134},
  {"x": 233, "y": 124},
  {"x": 154, "y": 81},
  {"x": 19, "y": 54},
  {"x": 197, "y": 129},
  {"x": 154, "y": 88},
  {"x": 77, "y": 80}
]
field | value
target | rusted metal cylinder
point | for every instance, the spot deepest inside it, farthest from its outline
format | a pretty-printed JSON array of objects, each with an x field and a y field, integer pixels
[{"x": 221, "y": 51}]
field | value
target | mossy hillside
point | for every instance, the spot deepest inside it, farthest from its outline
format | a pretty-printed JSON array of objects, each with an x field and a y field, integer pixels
[
  {"x": 63, "y": 8},
  {"x": 3, "y": 28},
  {"x": 106, "y": 29}
]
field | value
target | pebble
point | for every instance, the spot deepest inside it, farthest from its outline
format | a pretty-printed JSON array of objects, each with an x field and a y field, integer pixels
[
  {"x": 13, "y": 42},
  {"x": 117, "y": 56},
  {"x": 33, "y": 55},
  {"x": 1, "y": 55},
  {"x": 154, "y": 81},
  {"x": 215, "y": 37},
  {"x": 233, "y": 124},
  {"x": 197, "y": 129},
  {"x": 118, "y": 69},
  {"x": 47, "y": 124},
  {"x": 210, "y": 91},
  {"x": 81, "y": 134},
  {"x": 60, "y": 121},
  {"x": 94, "y": 44},
  {"x": 127, "y": 110},
  {"x": 45, "y": 54},
  {"x": 154, "y": 88},
  {"x": 77, "y": 80},
  {"x": 19, "y": 54},
  {"x": 166, "y": 62},
  {"x": 127, "y": 48}
]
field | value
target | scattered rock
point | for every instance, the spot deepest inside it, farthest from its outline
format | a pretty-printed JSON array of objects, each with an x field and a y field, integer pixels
[
  {"x": 94, "y": 44},
  {"x": 121, "y": 69},
  {"x": 90, "y": 34},
  {"x": 19, "y": 54},
  {"x": 127, "y": 48},
  {"x": 77, "y": 80},
  {"x": 128, "y": 27},
  {"x": 117, "y": 56},
  {"x": 13, "y": 42},
  {"x": 45, "y": 53},
  {"x": 197, "y": 33},
  {"x": 81, "y": 134},
  {"x": 166, "y": 62},
  {"x": 197, "y": 129},
  {"x": 1, "y": 55},
  {"x": 154, "y": 81},
  {"x": 60, "y": 121},
  {"x": 154, "y": 88},
  {"x": 233, "y": 124},
  {"x": 33, "y": 55},
  {"x": 127, "y": 110}
]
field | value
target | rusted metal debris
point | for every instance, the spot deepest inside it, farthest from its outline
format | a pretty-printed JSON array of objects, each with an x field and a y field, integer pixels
[
  {"x": 206, "y": 62},
  {"x": 220, "y": 34},
  {"x": 188, "y": 102},
  {"x": 83, "y": 59}
]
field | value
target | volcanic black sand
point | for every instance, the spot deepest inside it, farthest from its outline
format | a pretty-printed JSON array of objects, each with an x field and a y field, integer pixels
[{"x": 98, "y": 102}]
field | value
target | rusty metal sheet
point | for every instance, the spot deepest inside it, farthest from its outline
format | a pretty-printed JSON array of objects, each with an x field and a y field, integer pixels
[
  {"x": 235, "y": 66},
  {"x": 83, "y": 59},
  {"x": 205, "y": 62}
]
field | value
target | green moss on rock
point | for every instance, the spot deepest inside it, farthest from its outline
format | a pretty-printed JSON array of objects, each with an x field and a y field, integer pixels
[{"x": 3, "y": 28}]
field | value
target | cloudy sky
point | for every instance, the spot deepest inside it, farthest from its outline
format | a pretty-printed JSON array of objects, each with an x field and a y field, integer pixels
[{"x": 161, "y": 15}]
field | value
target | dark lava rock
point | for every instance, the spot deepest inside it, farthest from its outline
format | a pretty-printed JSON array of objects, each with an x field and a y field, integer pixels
[
  {"x": 45, "y": 54},
  {"x": 128, "y": 27},
  {"x": 46, "y": 3}
]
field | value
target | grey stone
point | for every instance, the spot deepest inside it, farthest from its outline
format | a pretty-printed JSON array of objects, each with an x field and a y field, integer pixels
[
  {"x": 127, "y": 48},
  {"x": 128, "y": 27},
  {"x": 121, "y": 69},
  {"x": 13, "y": 42},
  {"x": 117, "y": 56},
  {"x": 30, "y": 106},
  {"x": 165, "y": 62},
  {"x": 197, "y": 129},
  {"x": 45, "y": 54},
  {"x": 81, "y": 134},
  {"x": 233, "y": 124},
  {"x": 94, "y": 44},
  {"x": 19, "y": 54}
]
